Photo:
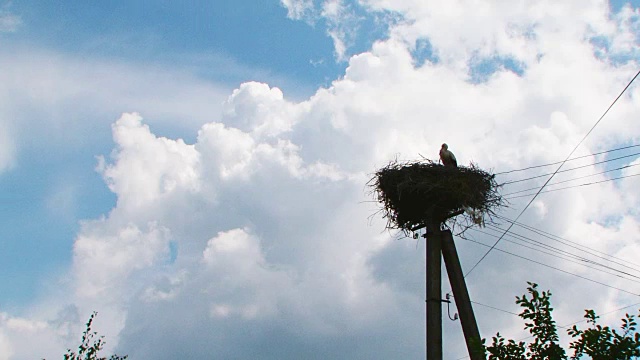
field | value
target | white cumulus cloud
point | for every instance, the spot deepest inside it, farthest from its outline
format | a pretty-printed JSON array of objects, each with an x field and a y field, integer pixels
[
  {"x": 257, "y": 241},
  {"x": 297, "y": 9}
]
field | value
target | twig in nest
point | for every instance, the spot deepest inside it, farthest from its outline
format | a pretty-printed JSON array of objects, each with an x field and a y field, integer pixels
[{"x": 413, "y": 192}]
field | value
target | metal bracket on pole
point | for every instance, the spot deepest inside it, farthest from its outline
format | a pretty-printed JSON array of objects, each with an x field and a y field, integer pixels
[
  {"x": 448, "y": 302},
  {"x": 438, "y": 300},
  {"x": 455, "y": 315}
]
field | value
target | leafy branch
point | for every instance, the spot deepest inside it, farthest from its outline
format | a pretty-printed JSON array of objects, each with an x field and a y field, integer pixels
[{"x": 597, "y": 342}]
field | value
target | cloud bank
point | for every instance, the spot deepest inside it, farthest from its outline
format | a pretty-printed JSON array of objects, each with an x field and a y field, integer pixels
[{"x": 256, "y": 240}]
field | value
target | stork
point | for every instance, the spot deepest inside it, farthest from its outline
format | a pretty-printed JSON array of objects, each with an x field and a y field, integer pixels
[{"x": 447, "y": 157}]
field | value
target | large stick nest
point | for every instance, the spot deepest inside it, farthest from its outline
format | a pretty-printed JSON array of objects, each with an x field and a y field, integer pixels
[{"x": 413, "y": 193}]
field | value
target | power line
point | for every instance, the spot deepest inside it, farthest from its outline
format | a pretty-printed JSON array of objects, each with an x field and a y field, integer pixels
[
  {"x": 572, "y": 159},
  {"x": 570, "y": 258},
  {"x": 533, "y": 242},
  {"x": 578, "y": 246},
  {"x": 553, "y": 267},
  {"x": 607, "y": 313},
  {"x": 577, "y": 178},
  {"x": 495, "y": 308},
  {"x": 571, "y": 255},
  {"x": 552, "y": 175},
  {"x": 491, "y": 307},
  {"x": 560, "y": 326},
  {"x": 566, "y": 170},
  {"x": 583, "y": 320},
  {"x": 573, "y": 186}
]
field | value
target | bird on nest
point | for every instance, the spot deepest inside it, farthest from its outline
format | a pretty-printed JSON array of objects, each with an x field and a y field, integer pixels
[{"x": 447, "y": 157}]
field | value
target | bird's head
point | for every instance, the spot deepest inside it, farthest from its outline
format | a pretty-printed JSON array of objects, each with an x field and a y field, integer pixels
[{"x": 445, "y": 146}]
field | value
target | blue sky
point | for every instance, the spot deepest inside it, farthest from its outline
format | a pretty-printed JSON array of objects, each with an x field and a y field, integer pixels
[
  {"x": 279, "y": 129},
  {"x": 201, "y": 38},
  {"x": 225, "y": 42},
  {"x": 252, "y": 34}
]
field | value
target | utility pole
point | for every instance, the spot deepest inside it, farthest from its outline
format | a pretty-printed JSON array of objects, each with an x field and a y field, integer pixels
[
  {"x": 440, "y": 243},
  {"x": 460, "y": 293},
  {"x": 418, "y": 194},
  {"x": 434, "y": 291}
]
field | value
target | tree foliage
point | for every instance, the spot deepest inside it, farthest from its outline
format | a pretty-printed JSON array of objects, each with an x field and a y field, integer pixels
[
  {"x": 596, "y": 342},
  {"x": 90, "y": 345}
]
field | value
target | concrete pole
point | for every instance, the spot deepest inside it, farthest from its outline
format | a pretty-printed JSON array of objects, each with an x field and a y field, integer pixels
[
  {"x": 434, "y": 291},
  {"x": 461, "y": 295}
]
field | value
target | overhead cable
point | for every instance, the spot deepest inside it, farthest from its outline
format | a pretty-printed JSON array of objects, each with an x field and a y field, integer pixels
[
  {"x": 575, "y": 245},
  {"x": 571, "y": 187},
  {"x": 572, "y": 255},
  {"x": 572, "y": 159},
  {"x": 554, "y": 173},
  {"x": 573, "y": 179},
  {"x": 567, "y": 170},
  {"x": 572, "y": 258},
  {"x": 495, "y": 308},
  {"x": 553, "y": 267}
]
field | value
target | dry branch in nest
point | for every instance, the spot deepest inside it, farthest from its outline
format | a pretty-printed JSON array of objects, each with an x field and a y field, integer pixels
[{"x": 414, "y": 192}]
